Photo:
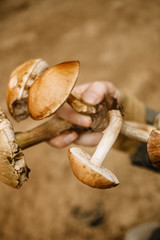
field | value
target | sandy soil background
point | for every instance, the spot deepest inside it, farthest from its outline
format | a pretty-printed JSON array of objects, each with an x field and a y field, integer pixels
[{"x": 115, "y": 40}]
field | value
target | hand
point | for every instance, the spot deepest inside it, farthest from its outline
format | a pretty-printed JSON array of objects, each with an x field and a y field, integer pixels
[{"x": 91, "y": 93}]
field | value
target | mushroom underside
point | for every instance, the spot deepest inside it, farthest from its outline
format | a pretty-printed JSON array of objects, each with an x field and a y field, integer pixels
[{"x": 89, "y": 174}]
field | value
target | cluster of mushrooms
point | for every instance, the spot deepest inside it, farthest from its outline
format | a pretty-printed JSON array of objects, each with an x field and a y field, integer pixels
[{"x": 37, "y": 91}]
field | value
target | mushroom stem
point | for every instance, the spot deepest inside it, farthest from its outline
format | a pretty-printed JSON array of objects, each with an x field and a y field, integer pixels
[
  {"x": 44, "y": 132},
  {"x": 55, "y": 126},
  {"x": 110, "y": 135},
  {"x": 133, "y": 131}
]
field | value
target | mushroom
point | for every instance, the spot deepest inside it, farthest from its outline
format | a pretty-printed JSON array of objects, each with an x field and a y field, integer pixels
[
  {"x": 88, "y": 169},
  {"x": 20, "y": 81},
  {"x": 13, "y": 169},
  {"x": 53, "y": 88},
  {"x": 145, "y": 133},
  {"x": 153, "y": 147}
]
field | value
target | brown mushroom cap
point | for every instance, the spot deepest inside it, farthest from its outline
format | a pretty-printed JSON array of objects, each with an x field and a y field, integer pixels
[
  {"x": 89, "y": 174},
  {"x": 13, "y": 169},
  {"x": 153, "y": 147},
  {"x": 52, "y": 89},
  {"x": 20, "y": 81}
]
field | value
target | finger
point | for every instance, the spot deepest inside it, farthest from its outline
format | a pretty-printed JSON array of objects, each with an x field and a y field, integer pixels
[
  {"x": 78, "y": 90},
  {"x": 66, "y": 112},
  {"x": 112, "y": 91},
  {"x": 95, "y": 92},
  {"x": 63, "y": 140},
  {"x": 89, "y": 139}
]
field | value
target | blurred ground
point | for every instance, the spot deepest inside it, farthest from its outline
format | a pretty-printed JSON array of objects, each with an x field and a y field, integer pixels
[{"x": 115, "y": 40}]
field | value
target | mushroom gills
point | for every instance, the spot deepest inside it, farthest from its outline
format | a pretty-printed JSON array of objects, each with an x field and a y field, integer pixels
[{"x": 20, "y": 109}]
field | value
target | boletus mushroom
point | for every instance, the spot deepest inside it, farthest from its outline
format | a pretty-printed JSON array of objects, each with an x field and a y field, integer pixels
[
  {"x": 13, "y": 169},
  {"x": 53, "y": 88},
  {"x": 153, "y": 147},
  {"x": 88, "y": 168},
  {"x": 20, "y": 81}
]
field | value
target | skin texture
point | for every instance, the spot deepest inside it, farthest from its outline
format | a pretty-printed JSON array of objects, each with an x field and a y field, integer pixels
[{"x": 92, "y": 93}]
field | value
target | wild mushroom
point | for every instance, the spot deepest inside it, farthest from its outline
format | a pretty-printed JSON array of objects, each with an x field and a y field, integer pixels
[
  {"x": 145, "y": 133},
  {"x": 88, "y": 169},
  {"x": 153, "y": 147},
  {"x": 20, "y": 81},
  {"x": 13, "y": 169},
  {"x": 53, "y": 88}
]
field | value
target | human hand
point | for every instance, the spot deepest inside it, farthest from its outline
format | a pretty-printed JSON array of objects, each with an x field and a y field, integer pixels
[{"x": 91, "y": 93}]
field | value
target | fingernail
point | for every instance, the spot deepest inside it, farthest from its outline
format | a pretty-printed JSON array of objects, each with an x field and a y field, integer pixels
[
  {"x": 84, "y": 121},
  {"x": 70, "y": 138},
  {"x": 90, "y": 98}
]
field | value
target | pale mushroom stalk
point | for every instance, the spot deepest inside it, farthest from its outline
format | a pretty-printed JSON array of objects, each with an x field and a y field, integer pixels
[
  {"x": 136, "y": 131},
  {"x": 109, "y": 137}
]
